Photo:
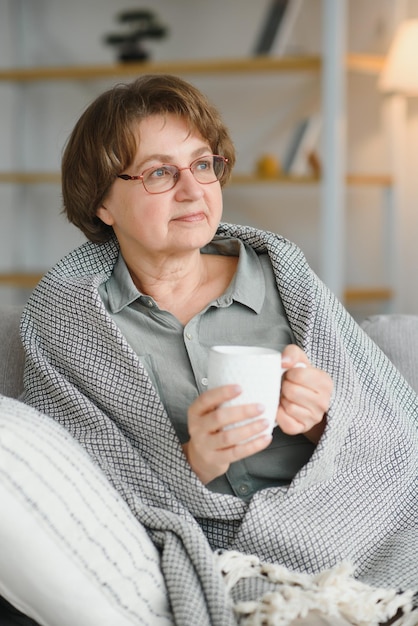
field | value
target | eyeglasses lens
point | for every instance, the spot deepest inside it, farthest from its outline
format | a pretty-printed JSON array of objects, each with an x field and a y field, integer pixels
[{"x": 206, "y": 170}]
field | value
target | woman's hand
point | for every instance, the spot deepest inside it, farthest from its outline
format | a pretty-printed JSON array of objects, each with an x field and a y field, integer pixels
[
  {"x": 211, "y": 449},
  {"x": 305, "y": 396},
  {"x": 304, "y": 400}
]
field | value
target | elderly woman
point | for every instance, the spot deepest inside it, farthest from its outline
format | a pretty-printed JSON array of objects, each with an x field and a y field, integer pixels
[
  {"x": 117, "y": 338},
  {"x": 145, "y": 164}
]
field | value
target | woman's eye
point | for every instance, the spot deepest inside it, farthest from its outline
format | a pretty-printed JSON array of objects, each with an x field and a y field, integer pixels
[
  {"x": 203, "y": 165},
  {"x": 160, "y": 172}
]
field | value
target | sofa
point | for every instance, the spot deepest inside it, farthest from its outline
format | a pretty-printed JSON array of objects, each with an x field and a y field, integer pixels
[{"x": 39, "y": 461}]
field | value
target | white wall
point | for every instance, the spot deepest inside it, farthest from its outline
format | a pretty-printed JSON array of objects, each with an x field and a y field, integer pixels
[{"x": 260, "y": 111}]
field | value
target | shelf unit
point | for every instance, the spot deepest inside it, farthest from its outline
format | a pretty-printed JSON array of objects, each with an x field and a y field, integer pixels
[{"x": 353, "y": 63}]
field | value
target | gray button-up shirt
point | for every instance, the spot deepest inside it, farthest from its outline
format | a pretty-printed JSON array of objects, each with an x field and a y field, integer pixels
[{"x": 250, "y": 312}]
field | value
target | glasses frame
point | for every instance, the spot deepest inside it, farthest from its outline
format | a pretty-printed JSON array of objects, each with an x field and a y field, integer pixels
[{"x": 176, "y": 178}]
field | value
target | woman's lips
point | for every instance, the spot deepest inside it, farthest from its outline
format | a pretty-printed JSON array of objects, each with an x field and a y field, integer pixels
[{"x": 190, "y": 217}]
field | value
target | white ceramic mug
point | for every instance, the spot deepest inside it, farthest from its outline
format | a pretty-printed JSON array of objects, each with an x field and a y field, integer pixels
[{"x": 257, "y": 371}]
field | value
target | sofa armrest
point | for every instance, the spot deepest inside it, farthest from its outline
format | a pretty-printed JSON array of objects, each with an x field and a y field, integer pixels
[
  {"x": 11, "y": 352},
  {"x": 397, "y": 336}
]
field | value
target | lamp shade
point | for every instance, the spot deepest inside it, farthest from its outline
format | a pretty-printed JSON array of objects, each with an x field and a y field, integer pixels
[{"x": 400, "y": 71}]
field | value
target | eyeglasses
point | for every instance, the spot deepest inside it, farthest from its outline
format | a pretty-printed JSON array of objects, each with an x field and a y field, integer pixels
[{"x": 206, "y": 169}]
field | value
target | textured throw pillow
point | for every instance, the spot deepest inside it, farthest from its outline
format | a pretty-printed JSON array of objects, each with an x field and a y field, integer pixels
[{"x": 71, "y": 550}]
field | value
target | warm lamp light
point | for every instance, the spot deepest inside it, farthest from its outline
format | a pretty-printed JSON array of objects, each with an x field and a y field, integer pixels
[{"x": 400, "y": 71}]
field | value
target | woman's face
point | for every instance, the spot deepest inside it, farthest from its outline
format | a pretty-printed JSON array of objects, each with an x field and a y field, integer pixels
[{"x": 177, "y": 221}]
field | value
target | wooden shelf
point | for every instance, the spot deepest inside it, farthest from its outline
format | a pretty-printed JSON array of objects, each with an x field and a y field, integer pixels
[
  {"x": 367, "y": 63},
  {"x": 253, "y": 179},
  {"x": 376, "y": 180},
  {"x": 355, "y": 62},
  {"x": 362, "y": 294},
  {"x": 212, "y": 66},
  {"x": 372, "y": 180},
  {"x": 24, "y": 280},
  {"x": 30, "y": 178}
]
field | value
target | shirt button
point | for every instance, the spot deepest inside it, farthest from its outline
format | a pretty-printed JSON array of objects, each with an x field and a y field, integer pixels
[
  {"x": 243, "y": 489},
  {"x": 205, "y": 382},
  {"x": 188, "y": 335}
]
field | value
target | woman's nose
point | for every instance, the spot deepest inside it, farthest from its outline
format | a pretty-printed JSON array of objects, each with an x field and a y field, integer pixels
[{"x": 188, "y": 186}]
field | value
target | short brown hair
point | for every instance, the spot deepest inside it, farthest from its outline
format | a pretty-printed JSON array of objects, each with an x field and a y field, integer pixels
[{"x": 102, "y": 144}]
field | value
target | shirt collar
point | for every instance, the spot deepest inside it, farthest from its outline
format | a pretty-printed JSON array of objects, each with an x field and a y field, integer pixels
[
  {"x": 120, "y": 288},
  {"x": 247, "y": 286}
]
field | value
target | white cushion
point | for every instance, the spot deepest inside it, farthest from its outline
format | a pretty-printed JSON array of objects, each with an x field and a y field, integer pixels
[{"x": 71, "y": 550}]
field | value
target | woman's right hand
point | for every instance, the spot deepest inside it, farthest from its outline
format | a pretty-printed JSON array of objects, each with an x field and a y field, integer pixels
[{"x": 211, "y": 449}]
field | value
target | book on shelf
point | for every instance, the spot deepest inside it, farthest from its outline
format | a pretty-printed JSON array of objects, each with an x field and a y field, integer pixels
[
  {"x": 302, "y": 157},
  {"x": 277, "y": 27}
]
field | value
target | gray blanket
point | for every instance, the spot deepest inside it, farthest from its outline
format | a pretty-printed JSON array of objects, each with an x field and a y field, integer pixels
[{"x": 356, "y": 500}]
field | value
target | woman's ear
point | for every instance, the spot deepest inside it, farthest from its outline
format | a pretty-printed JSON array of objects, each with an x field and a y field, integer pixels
[{"x": 105, "y": 215}]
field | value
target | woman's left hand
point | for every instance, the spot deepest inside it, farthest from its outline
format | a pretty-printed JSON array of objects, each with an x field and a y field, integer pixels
[{"x": 305, "y": 396}]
